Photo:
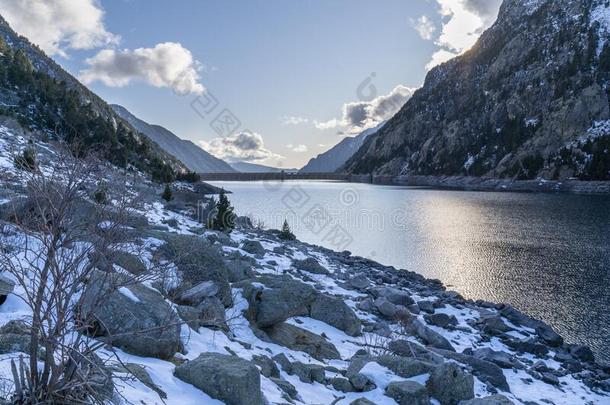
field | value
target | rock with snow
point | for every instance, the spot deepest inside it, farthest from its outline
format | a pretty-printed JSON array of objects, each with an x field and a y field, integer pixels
[
  {"x": 299, "y": 339},
  {"x": 227, "y": 378},
  {"x": 310, "y": 265},
  {"x": 253, "y": 247},
  {"x": 491, "y": 400},
  {"x": 335, "y": 312},
  {"x": 408, "y": 393},
  {"x": 147, "y": 327},
  {"x": 196, "y": 294},
  {"x": 429, "y": 337},
  {"x": 449, "y": 384}
]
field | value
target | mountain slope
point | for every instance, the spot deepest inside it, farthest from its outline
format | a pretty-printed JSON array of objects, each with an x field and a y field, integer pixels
[
  {"x": 47, "y": 99},
  {"x": 245, "y": 167},
  {"x": 331, "y": 160},
  {"x": 529, "y": 100},
  {"x": 195, "y": 158}
]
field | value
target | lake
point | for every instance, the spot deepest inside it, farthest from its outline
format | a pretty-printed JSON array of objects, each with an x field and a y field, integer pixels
[{"x": 546, "y": 254}]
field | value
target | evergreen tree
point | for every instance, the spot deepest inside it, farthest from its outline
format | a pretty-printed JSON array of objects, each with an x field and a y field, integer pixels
[
  {"x": 225, "y": 218},
  {"x": 167, "y": 193},
  {"x": 27, "y": 160},
  {"x": 286, "y": 232}
]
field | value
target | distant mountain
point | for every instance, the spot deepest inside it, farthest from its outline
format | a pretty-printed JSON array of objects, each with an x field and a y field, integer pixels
[
  {"x": 195, "y": 158},
  {"x": 43, "y": 97},
  {"x": 529, "y": 100},
  {"x": 331, "y": 160},
  {"x": 244, "y": 167}
]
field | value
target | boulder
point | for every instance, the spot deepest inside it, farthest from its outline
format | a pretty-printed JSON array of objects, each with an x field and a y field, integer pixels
[
  {"x": 239, "y": 269},
  {"x": 140, "y": 373},
  {"x": 426, "y": 306},
  {"x": 492, "y": 400},
  {"x": 342, "y": 384},
  {"x": 227, "y": 378},
  {"x": 449, "y": 384},
  {"x": 441, "y": 320},
  {"x": 253, "y": 247},
  {"x": 299, "y": 339},
  {"x": 308, "y": 373},
  {"x": 189, "y": 315},
  {"x": 128, "y": 261},
  {"x": 495, "y": 326},
  {"x": 581, "y": 352},
  {"x": 407, "y": 348},
  {"x": 430, "y": 337},
  {"x": 212, "y": 313},
  {"x": 310, "y": 265},
  {"x": 396, "y": 296},
  {"x": 273, "y": 299},
  {"x": 286, "y": 387},
  {"x": 197, "y": 261},
  {"x": 268, "y": 367},
  {"x": 501, "y": 359},
  {"x": 335, "y": 312},
  {"x": 194, "y": 295},
  {"x": 15, "y": 337},
  {"x": 405, "y": 367},
  {"x": 386, "y": 308},
  {"x": 7, "y": 285},
  {"x": 135, "y": 318},
  {"x": 408, "y": 393},
  {"x": 547, "y": 334},
  {"x": 359, "y": 282},
  {"x": 361, "y": 401},
  {"x": 484, "y": 370}
]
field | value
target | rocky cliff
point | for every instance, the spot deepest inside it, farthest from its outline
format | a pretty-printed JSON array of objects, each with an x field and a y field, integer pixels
[{"x": 529, "y": 100}]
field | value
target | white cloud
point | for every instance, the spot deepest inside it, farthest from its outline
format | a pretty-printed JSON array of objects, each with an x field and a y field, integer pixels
[
  {"x": 293, "y": 120},
  {"x": 424, "y": 26},
  {"x": 59, "y": 25},
  {"x": 168, "y": 64},
  {"x": 360, "y": 115},
  {"x": 297, "y": 148},
  {"x": 244, "y": 146},
  {"x": 463, "y": 23}
]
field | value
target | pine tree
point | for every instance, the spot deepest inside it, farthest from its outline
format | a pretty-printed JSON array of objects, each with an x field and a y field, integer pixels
[
  {"x": 167, "y": 193},
  {"x": 286, "y": 232},
  {"x": 225, "y": 218}
]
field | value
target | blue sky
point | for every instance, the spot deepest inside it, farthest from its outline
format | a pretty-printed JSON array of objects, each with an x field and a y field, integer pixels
[{"x": 287, "y": 70}]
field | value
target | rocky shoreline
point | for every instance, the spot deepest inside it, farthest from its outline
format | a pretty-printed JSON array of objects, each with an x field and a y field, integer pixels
[{"x": 492, "y": 184}]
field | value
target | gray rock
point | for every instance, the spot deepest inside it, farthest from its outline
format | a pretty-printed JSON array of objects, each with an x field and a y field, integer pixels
[
  {"x": 197, "y": 261},
  {"x": 492, "y": 400},
  {"x": 335, "y": 312},
  {"x": 280, "y": 299},
  {"x": 148, "y": 327},
  {"x": 15, "y": 337},
  {"x": 299, "y": 339},
  {"x": 227, "y": 378},
  {"x": 268, "y": 367},
  {"x": 501, "y": 359},
  {"x": 430, "y": 337},
  {"x": 493, "y": 325},
  {"x": 239, "y": 269},
  {"x": 359, "y": 282},
  {"x": 140, "y": 373},
  {"x": 528, "y": 346},
  {"x": 361, "y": 401},
  {"x": 310, "y": 265},
  {"x": 547, "y": 334},
  {"x": 212, "y": 313},
  {"x": 582, "y": 353},
  {"x": 405, "y": 367},
  {"x": 386, "y": 308},
  {"x": 450, "y": 385},
  {"x": 129, "y": 262},
  {"x": 361, "y": 383},
  {"x": 426, "y": 306},
  {"x": 253, "y": 247},
  {"x": 7, "y": 285},
  {"x": 441, "y": 320},
  {"x": 308, "y": 373},
  {"x": 396, "y": 296},
  {"x": 407, "y": 348},
  {"x": 342, "y": 384},
  {"x": 286, "y": 387},
  {"x": 189, "y": 315},
  {"x": 485, "y": 370},
  {"x": 196, "y": 294},
  {"x": 284, "y": 363},
  {"x": 408, "y": 393}
]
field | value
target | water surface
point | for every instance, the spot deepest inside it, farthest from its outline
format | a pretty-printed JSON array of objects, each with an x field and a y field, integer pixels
[{"x": 546, "y": 254}]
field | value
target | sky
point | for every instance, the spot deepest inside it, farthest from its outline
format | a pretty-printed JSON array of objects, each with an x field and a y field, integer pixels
[{"x": 272, "y": 82}]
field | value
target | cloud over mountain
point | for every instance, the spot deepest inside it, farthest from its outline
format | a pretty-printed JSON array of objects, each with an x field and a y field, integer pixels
[
  {"x": 59, "y": 25},
  {"x": 360, "y": 115},
  {"x": 168, "y": 64},
  {"x": 244, "y": 146}
]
